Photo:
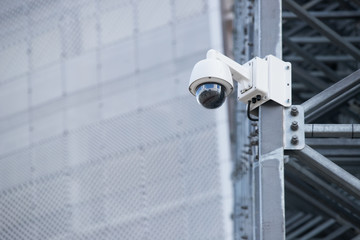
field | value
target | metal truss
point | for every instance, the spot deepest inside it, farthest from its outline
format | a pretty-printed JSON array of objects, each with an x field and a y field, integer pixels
[
  {"x": 321, "y": 42},
  {"x": 321, "y": 178}
]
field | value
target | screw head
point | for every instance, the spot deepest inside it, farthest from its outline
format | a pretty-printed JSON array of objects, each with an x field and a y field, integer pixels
[
  {"x": 294, "y": 111},
  {"x": 294, "y": 140},
  {"x": 294, "y": 126}
]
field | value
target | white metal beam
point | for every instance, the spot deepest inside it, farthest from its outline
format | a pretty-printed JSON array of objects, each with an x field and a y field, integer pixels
[
  {"x": 269, "y": 170},
  {"x": 329, "y": 170}
]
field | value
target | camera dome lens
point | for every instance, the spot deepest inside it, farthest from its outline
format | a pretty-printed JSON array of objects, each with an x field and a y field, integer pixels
[{"x": 210, "y": 95}]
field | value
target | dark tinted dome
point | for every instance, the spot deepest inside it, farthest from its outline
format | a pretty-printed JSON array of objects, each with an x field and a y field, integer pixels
[{"x": 210, "y": 95}]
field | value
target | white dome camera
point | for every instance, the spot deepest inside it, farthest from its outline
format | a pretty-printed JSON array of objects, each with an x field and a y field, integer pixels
[
  {"x": 259, "y": 80},
  {"x": 211, "y": 82}
]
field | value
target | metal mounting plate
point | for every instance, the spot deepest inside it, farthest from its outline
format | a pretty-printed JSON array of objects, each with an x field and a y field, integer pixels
[{"x": 294, "y": 128}]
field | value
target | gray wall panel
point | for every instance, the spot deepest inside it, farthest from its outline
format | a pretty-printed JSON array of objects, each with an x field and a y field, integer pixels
[
  {"x": 47, "y": 126},
  {"x": 15, "y": 169},
  {"x": 118, "y": 60},
  {"x": 13, "y": 97},
  {"x": 99, "y": 137},
  {"x": 155, "y": 47},
  {"x": 46, "y": 84},
  {"x": 80, "y": 72},
  {"x": 190, "y": 35},
  {"x": 15, "y": 139}
]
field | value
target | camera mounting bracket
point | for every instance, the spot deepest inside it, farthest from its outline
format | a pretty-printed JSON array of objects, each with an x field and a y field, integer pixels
[{"x": 271, "y": 80}]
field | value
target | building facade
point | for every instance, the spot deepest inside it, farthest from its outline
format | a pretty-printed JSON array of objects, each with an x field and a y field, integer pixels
[{"x": 99, "y": 137}]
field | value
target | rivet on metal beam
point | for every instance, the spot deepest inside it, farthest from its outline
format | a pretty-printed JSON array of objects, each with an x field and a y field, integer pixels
[
  {"x": 294, "y": 140},
  {"x": 294, "y": 126},
  {"x": 294, "y": 111}
]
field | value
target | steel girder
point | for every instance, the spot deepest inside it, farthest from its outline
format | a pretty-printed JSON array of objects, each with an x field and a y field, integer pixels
[
  {"x": 323, "y": 52},
  {"x": 317, "y": 42}
]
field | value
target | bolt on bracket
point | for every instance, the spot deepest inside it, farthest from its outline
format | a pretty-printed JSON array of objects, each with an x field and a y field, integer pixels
[{"x": 294, "y": 128}]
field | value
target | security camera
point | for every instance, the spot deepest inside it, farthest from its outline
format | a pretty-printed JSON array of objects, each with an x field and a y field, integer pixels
[
  {"x": 211, "y": 82},
  {"x": 259, "y": 80}
]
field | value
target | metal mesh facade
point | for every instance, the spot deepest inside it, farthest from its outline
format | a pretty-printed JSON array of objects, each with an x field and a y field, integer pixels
[{"x": 99, "y": 137}]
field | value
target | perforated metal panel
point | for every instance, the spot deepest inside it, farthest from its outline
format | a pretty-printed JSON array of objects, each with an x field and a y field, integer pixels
[{"x": 99, "y": 138}]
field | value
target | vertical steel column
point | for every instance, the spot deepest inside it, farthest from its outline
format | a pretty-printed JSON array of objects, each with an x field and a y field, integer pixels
[
  {"x": 269, "y": 170},
  {"x": 242, "y": 148}
]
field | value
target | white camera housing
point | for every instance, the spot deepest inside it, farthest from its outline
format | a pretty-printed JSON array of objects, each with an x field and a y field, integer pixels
[
  {"x": 211, "y": 70},
  {"x": 259, "y": 80}
]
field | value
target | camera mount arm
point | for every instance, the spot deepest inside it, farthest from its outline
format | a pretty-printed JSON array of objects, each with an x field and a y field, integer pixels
[{"x": 239, "y": 73}]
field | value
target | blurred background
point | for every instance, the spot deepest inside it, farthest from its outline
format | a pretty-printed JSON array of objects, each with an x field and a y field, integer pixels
[{"x": 99, "y": 136}]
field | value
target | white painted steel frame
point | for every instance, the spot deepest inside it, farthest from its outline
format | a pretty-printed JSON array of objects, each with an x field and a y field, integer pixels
[
  {"x": 267, "y": 176},
  {"x": 269, "y": 170}
]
